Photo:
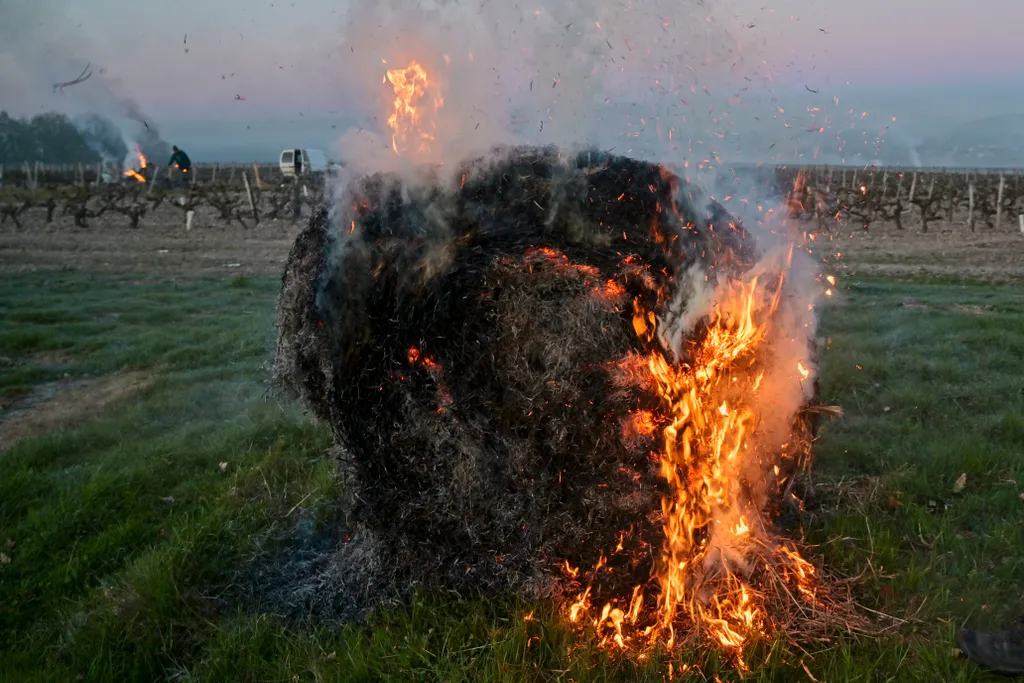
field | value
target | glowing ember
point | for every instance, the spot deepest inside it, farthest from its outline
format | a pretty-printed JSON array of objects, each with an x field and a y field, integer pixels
[
  {"x": 416, "y": 357},
  {"x": 409, "y": 131},
  {"x": 612, "y": 292},
  {"x": 640, "y": 424}
]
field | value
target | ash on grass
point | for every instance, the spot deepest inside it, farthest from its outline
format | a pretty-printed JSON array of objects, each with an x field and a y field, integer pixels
[
  {"x": 472, "y": 348},
  {"x": 304, "y": 573}
]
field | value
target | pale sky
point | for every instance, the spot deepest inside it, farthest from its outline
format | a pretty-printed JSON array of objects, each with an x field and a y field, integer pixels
[
  {"x": 190, "y": 60},
  {"x": 868, "y": 42}
]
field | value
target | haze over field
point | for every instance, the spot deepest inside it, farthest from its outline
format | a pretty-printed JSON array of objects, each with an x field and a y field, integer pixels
[{"x": 913, "y": 82}]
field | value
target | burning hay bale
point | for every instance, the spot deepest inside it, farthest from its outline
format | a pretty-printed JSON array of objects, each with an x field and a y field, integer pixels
[{"x": 516, "y": 367}]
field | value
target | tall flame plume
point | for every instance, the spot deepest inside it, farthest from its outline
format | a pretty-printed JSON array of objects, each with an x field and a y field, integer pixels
[{"x": 412, "y": 123}]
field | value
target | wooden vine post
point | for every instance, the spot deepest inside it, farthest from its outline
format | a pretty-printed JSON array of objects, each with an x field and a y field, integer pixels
[
  {"x": 999, "y": 201},
  {"x": 248, "y": 194},
  {"x": 970, "y": 205}
]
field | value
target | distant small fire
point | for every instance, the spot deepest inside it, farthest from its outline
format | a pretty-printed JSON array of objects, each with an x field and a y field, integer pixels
[{"x": 143, "y": 163}]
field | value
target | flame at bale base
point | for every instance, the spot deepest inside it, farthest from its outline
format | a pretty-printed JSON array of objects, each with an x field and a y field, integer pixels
[{"x": 718, "y": 542}]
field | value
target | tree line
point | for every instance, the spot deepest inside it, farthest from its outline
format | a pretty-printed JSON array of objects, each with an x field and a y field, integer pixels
[
  {"x": 55, "y": 138},
  {"x": 282, "y": 198}
]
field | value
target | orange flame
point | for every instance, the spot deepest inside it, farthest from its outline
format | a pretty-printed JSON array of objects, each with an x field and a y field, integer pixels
[
  {"x": 706, "y": 448},
  {"x": 409, "y": 133},
  {"x": 612, "y": 292},
  {"x": 715, "y": 531},
  {"x": 143, "y": 162},
  {"x": 427, "y": 362},
  {"x": 642, "y": 423},
  {"x": 794, "y": 201}
]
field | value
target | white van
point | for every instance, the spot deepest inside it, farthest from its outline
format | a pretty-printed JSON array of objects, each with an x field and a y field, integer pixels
[{"x": 302, "y": 161}]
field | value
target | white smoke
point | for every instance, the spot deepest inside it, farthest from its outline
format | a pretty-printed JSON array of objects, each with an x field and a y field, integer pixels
[
  {"x": 651, "y": 78},
  {"x": 41, "y": 47}
]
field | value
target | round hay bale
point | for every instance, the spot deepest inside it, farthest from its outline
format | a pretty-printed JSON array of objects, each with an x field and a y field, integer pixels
[{"x": 472, "y": 347}]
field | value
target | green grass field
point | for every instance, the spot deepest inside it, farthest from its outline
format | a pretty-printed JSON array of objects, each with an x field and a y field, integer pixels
[{"x": 121, "y": 534}]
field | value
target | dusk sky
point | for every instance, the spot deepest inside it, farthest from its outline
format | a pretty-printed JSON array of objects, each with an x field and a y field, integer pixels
[{"x": 186, "y": 62}]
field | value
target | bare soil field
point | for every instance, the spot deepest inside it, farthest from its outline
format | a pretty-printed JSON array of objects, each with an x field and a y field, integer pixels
[
  {"x": 161, "y": 245},
  {"x": 944, "y": 251}
]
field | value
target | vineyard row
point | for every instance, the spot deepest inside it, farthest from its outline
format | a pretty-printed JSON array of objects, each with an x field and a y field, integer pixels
[
  {"x": 258, "y": 201},
  {"x": 864, "y": 197},
  {"x": 823, "y": 197},
  {"x": 36, "y": 176}
]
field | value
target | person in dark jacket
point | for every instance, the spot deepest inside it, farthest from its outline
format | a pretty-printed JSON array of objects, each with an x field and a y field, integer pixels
[{"x": 180, "y": 159}]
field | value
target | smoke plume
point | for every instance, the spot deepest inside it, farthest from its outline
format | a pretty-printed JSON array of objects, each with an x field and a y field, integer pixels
[
  {"x": 651, "y": 78},
  {"x": 40, "y": 48}
]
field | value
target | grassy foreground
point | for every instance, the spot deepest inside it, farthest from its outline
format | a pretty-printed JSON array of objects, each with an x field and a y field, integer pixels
[{"x": 120, "y": 534}]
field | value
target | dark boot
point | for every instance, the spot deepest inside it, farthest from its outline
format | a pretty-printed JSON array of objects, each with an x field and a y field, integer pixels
[{"x": 999, "y": 651}]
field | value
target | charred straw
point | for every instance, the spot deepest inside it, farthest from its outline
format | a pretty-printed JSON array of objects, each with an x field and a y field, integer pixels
[{"x": 471, "y": 345}]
